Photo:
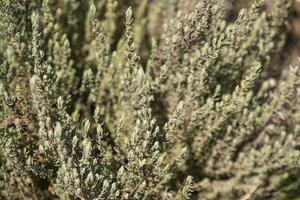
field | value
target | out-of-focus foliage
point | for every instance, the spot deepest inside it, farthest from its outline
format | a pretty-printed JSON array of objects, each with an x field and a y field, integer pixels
[{"x": 166, "y": 99}]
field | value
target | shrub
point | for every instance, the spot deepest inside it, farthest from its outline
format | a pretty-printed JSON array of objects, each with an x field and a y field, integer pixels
[{"x": 152, "y": 102}]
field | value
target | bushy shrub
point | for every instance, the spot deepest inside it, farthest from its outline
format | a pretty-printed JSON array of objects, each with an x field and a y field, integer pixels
[{"x": 113, "y": 99}]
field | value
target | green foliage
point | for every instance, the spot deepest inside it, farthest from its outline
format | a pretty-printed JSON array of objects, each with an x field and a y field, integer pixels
[{"x": 111, "y": 99}]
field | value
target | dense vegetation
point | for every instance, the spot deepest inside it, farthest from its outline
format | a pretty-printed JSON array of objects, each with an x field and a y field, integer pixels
[{"x": 154, "y": 100}]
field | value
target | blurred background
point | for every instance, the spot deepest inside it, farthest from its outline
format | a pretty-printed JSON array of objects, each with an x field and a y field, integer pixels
[{"x": 292, "y": 50}]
